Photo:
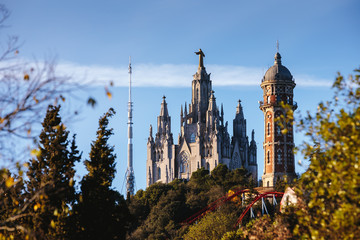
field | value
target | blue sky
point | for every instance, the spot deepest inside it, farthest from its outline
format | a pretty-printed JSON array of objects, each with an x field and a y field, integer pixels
[{"x": 93, "y": 40}]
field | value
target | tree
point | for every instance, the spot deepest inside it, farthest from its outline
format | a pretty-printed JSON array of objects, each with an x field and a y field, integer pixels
[
  {"x": 101, "y": 212},
  {"x": 213, "y": 226},
  {"x": 330, "y": 188},
  {"x": 50, "y": 186}
]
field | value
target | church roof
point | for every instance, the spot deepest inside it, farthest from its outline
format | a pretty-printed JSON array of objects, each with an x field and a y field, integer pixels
[{"x": 278, "y": 71}]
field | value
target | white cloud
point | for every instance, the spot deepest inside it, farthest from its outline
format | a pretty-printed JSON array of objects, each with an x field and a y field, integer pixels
[{"x": 171, "y": 75}]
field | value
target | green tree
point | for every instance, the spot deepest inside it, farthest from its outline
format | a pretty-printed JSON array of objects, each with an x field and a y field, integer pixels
[
  {"x": 330, "y": 188},
  {"x": 214, "y": 225},
  {"x": 50, "y": 186},
  {"x": 101, "y": 212},
  {"x": 164, "y": 218}
]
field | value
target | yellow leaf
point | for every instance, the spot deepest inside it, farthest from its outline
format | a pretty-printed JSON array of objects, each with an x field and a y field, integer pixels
[
  {"x": 62, "y": 98},
  {"x": 37, "y": 206},
  {"x": 26, "y": 77},
  {"x": 109, "y": 95},
  {"x": 52, "y": 224},
  {"x": 37, "y": 101},
  {"x": 35, "y": 152},
  {"x": 71, "y": 182},
  {"x": 29, "y": 131},
  {"x": 9, "y": 182}
]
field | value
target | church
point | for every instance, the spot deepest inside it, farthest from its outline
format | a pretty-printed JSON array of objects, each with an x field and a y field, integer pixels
[{"x": 204, "y": 140}]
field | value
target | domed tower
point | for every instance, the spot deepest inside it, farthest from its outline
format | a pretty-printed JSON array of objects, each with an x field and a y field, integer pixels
[{"x": 278, "y": 85}]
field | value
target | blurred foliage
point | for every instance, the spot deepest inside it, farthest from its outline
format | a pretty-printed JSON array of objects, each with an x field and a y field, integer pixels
[{"x": 330, "y": 188}]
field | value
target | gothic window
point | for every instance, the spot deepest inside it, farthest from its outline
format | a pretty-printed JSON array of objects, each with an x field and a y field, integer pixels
[
  {"x": 184, "y": 162},
  {"x": 278, "y": 129},
  {"x": 268, "y": 184},
  {"x": 159, "y": 173},
  {"x": 290, "y": 156},
  {"x": 207, "y": 166},
  {"x": 215, "y": 163},
  {"x": 198, "y": 165},
  {"x": 279, "y": 156},
  {"x": 268, "y": 129},
  {"x": 268, "y": 157},
  {"x": 192, "y": 138}
]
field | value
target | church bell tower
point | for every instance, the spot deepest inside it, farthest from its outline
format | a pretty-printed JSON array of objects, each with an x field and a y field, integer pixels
[{"x": 279, "y": 162}]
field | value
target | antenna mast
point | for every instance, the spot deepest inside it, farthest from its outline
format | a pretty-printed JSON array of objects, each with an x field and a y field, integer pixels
[{"x": 130, "y": 178}]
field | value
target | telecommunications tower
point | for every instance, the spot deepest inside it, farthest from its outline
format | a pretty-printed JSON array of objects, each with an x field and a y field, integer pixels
[{"x": 130, "y": 178}]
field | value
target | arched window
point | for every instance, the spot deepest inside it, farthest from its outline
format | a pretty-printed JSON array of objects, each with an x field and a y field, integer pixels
[
  {"x": 192, "y": 138},
  {"x": 279, "y": 157},
  {"x": 268, "y": 99},
  {"x": 207, "y": 166},
  {"x": 184, "y": 162},
  {"x": 159, "y": 173},
  {"x": 278, "y": 129},
  {"x": 268, "y": 157},
  {"x": 268, "y": 184},
  {"x": 215, "y": 163},
  {"x": 198, "y": 165},
  {"x": 290, "y": 157},
  {"x": 268, "y": 129}
]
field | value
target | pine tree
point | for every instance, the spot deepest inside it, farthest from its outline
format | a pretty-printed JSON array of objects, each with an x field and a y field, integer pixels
[
  {"x": 102, "y": 212},
  {"x": 50, "y": 188}
]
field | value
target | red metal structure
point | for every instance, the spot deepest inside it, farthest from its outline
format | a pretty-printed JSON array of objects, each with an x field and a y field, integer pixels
[
  {"x": 263, "y": 206},
  {"x": 214, "y": 205}
]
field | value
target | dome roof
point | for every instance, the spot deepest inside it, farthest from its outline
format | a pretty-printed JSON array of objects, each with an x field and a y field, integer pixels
[{"x": 278, "y": 71}]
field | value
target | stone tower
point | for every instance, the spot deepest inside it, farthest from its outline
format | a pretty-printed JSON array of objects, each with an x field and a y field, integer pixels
[{"x": 277, "y": 85}]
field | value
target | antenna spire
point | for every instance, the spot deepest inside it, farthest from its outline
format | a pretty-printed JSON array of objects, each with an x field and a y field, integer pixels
[
  {"x": 277, "y": 45},
  {"x": 130, "y": 178}
]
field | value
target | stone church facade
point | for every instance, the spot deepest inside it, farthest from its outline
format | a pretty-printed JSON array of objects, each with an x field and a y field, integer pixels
[{"x": 204, "y": 140}]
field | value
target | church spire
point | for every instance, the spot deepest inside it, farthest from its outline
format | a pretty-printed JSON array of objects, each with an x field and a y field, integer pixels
[
  {"x": 164, "y": 111},
  {"x": 239, "y": 110},
  {"x": 164, "y": 120},
  {"x": 212, "y": 102}
]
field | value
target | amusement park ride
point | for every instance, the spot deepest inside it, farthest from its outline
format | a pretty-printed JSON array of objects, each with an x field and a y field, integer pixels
[{"x": 259, "y": 195}]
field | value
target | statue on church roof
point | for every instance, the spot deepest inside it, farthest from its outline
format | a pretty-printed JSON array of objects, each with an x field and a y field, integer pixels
[{"x": 201, "y": 57}]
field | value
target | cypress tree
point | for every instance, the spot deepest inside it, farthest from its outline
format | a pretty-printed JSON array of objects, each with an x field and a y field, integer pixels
[
  {"x": 102, "y": 212},
  {"x": 50, "y": 185}
]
